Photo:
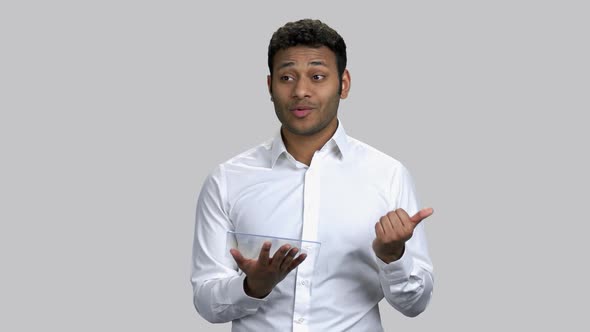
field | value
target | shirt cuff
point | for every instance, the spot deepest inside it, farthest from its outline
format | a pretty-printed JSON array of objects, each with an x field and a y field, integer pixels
[
  {"x": 397, "y": 270},
  {"x": 239, "y": 298}
]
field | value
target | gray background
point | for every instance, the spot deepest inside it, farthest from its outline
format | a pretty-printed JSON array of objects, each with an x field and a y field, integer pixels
[{"x": 113, "y": 112}]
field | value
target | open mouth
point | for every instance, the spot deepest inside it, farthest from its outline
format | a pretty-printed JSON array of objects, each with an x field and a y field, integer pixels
[{"x": 301, "y": 111}]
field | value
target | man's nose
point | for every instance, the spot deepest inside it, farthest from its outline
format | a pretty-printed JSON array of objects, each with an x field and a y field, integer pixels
[{"x": 302, "y": 88}]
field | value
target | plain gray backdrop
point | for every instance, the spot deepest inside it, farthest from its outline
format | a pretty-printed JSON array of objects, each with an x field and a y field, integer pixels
[{"x": 114, "y": 112}]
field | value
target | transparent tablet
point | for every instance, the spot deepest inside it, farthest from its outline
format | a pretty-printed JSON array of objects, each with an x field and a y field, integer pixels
[{"x": 249, "y": 245}]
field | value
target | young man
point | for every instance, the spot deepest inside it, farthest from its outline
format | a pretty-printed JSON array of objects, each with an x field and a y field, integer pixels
[{"x": 315, "y": 183}]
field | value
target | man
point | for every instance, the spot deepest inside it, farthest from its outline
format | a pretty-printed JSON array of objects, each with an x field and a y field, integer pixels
[{"x": 315, "y": 183}]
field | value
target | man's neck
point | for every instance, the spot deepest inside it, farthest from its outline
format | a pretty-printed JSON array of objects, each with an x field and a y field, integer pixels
[{"x": 303, "y": 147}]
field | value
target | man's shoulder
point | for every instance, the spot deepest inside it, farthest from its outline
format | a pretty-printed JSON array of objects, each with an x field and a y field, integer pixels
[
  {"x": 370, "y": 154},
  {"x": 256, "y": 156}
]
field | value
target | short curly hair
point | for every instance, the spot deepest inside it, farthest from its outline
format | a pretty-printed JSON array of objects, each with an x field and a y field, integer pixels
[{"x": 308, "y": 32}]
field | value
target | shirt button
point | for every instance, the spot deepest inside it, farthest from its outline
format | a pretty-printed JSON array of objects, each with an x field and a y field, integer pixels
[{"x": 299, "y": 320}]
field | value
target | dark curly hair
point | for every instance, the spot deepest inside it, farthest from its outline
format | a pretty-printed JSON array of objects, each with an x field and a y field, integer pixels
[{"x": 308, "y": 32}]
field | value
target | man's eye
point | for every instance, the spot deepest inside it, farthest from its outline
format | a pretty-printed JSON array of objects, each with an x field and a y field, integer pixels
[
  {"x": 318, "y": 77},
  {"x": 286, "y": 78}
]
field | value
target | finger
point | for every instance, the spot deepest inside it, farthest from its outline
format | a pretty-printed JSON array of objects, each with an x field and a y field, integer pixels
[
  {"x": 421, "y": 215},
  {"x": 279, "y": 256},
  {"x": 403, "y": 216},
  {"x": 296, "y": 262},
  {"x": 395, "y": 223},
  {"x": 379, "y": 232},
  {"x": 289, "y": 258},
  {"x": 399, "y": 226},
  {"x": 407, "y": 225},
  {"x": 237, "y": 255},
  {"x": 387, "y": 225},
  {"x": 263, "y": 257}
]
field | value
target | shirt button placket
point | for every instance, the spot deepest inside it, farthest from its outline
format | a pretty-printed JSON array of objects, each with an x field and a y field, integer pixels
[{"x": 311, "y": 203}]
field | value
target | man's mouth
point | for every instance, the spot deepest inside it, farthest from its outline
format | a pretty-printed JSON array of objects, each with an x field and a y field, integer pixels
[{"x": 301, "y": 111}]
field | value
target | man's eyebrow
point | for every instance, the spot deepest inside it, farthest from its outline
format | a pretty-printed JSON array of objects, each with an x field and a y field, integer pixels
[
  {"x": 318, "y": 63},
  {"x": 286, "y": 64},
  {"x": 292, "y": 63}
]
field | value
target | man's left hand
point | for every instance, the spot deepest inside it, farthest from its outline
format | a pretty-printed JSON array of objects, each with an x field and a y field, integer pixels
[{"x": 393, "y": 230}]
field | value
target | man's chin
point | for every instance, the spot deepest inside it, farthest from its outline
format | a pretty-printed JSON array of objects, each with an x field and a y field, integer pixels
[{"x": 303, "y": 131}]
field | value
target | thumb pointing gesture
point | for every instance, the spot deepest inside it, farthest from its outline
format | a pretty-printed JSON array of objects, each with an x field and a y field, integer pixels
[
  {"x": 393, "y": 230},
  {"x": 421, "y": 215}
]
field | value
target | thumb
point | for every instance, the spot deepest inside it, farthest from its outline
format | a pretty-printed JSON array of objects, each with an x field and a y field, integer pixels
[
  {"x": 237, "y": 255},
  {"x": 422, "y": 214}
]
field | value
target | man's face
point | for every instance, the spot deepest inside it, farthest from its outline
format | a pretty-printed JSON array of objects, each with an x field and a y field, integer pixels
[{"x": 306, "y": 90}]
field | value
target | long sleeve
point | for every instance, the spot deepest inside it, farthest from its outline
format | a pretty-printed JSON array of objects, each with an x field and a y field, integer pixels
[
  {"x": 408, "y": 282},
  {"x": 218, "y": 291}
]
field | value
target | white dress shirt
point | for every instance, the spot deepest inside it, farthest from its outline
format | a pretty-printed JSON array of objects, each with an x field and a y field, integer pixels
[{"x": 335, "y": 201}]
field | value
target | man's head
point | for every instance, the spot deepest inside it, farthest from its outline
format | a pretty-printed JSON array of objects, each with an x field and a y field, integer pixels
[
  {"x": 311, "y": 33},
  {"x": 308, "y": 76}
]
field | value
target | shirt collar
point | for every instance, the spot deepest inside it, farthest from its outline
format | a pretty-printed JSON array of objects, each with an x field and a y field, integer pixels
[
  {"x": 278, "y": 148},
  {"x": 339, "y": 139}
]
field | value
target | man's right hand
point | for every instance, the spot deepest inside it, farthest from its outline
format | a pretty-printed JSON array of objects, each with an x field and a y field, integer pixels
[{"x": 264, "y": 273}]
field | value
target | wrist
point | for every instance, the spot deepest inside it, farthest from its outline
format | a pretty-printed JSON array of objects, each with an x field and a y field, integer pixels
[
  {"x": 252, "y": 291},
  {"x": 392, "y": 256}
]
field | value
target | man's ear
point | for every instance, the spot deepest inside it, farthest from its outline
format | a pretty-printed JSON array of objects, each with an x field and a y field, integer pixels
[
  {"x": 345, "y": 84},
  {"x": 269, "y": 84}
]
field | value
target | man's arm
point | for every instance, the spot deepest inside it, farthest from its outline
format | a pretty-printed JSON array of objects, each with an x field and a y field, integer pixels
[
  {"x": 405, "y": 268},
  {"x": 218, "y": 288},
  {"x": 220, "y": 293}
]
